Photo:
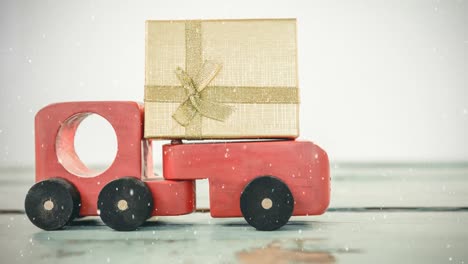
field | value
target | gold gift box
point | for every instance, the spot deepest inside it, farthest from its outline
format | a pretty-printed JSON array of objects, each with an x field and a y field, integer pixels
[{"x": 221, "y": 79}]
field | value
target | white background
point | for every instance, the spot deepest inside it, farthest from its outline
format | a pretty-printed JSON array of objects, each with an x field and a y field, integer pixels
[{"x": 380, "y": 80}]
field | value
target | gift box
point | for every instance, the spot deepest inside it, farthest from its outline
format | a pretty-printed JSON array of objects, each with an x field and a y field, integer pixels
[{"x": 221, "y": 79}]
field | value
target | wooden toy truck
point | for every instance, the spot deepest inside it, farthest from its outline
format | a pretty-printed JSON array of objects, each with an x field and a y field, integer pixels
[{"x": 266, "y": 182}]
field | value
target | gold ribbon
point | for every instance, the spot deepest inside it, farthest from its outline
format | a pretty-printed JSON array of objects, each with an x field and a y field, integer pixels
[
  {"x": 195, "y": 104},
  {"x": 225, "y": 94}
]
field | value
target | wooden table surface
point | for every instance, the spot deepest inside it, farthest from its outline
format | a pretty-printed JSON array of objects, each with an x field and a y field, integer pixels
[{"x": 380, "y": 213}]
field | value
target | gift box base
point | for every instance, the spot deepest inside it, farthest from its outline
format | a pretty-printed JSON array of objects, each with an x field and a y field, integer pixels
[{"x": 250, "y": 121}]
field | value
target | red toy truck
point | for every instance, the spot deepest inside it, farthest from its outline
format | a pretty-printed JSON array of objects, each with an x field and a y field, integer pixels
[{"x": 266, "y": 182}]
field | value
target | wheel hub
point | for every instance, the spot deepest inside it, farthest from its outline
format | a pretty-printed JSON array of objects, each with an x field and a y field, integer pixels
[
  {"x": 122, "y": 205},
  {"x": 48, "y": 205},
  {"x": 267, "y": 203}
]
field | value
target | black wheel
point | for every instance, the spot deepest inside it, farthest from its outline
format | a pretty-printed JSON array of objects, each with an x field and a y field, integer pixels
[
  {"x": 266, "y": 203},
  {"x": 53, "y": 203},
  {"x": 125, "y": 204}
]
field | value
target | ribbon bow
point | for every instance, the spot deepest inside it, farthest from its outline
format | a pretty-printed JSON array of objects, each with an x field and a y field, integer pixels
[{"x": 195, "y": 104}]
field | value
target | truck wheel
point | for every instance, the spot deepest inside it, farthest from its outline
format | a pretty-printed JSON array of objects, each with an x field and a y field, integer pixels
[
  {"x": 266, "y": 203},
  {"x": 51, "y": 204},
  {"x": 125, "y": 204}
]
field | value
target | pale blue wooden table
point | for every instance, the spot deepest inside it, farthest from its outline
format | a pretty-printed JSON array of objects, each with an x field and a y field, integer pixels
[{"x": 380, "y": 213}]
